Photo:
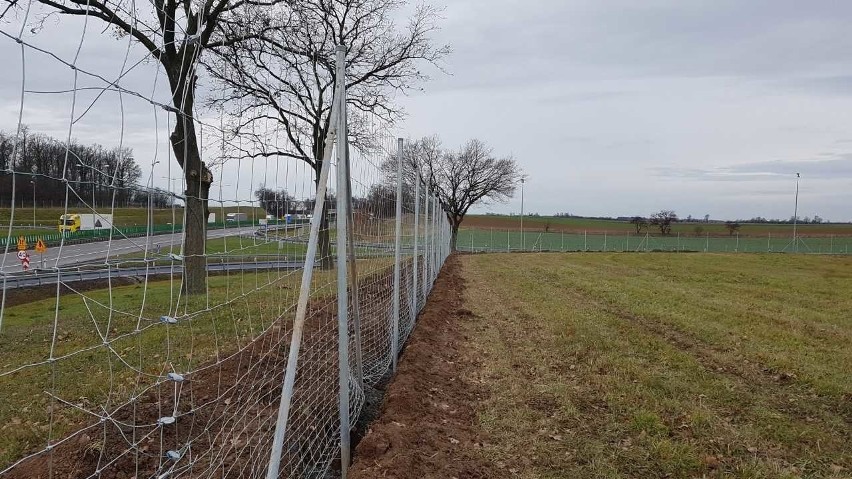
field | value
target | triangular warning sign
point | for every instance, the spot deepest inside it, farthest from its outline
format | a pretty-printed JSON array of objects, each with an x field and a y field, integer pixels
[
  {"x": 98, "y": 224},
  {"x": 40, "y": 246}
]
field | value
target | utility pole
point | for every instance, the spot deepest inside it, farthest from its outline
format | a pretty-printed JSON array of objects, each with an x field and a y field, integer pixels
[
  {"x": 523, "y": 238},
  {"x": 34, "y": 170},
  {"x": 796, "y": 216}
]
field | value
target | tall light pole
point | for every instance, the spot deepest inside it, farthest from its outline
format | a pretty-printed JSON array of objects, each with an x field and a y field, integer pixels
[
  {"x": 796, "y": 216},
  {"x": 523, "y": 238},
  {"x": 34, "y": 170}
]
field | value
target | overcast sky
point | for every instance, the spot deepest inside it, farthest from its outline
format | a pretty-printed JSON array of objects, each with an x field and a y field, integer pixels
[{"x": 611, "y": 107}]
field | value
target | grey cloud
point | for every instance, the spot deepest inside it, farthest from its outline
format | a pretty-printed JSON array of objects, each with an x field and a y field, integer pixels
[
  {"x": 840, "y": 166},
  {"x": 761, "y": 39}
]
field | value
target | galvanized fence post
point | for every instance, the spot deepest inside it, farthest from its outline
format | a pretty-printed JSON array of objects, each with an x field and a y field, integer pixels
[
  {"x": 397, "y": 255},
  {"x": 342, "y": 293},
  {"x": 415, "y": 266},
  {"x": 304, "y": 294},
  {"x": 426, "y": 243}
]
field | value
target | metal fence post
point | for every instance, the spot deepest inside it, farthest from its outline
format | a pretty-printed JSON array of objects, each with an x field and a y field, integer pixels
[
  {"x": 342, "y": 293},
  {"x": 353, "y": 270},
  {"x": 415, "y": 292},
  {"x": 433, "y": 240},
  {"x": 604, "y": 246},
  {"x": 426, "y": 243},
  {"x": 302, "y": 304},
  {"x": 397, "y": 255}
]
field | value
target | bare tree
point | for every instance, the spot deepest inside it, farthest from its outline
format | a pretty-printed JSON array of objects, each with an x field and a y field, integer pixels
[
  {"x": 287, "y": 77},
  {"x": 463, "y": 178},
  {"x": 639, "y": 223},
  {"x": 276, "y": 202},
  {"x": 176, "y": 33},
  {"x": 732, "y": 227},
  {"x": 663, "y": 220}
]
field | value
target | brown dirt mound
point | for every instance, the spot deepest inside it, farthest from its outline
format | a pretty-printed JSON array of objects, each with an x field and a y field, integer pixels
[{"x": 427, "y": 427}]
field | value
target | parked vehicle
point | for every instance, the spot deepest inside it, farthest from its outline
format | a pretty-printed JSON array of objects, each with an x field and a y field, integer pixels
[
  {"x": 74, "y": 222},
  {"x": 236, "y": 217}
]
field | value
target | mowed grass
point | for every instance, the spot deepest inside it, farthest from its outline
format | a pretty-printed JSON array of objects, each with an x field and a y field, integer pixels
[
  {"x": 88, "y": 374},
  {"x": 110, "y": 345},
  {"x": 663, "y": 365}
]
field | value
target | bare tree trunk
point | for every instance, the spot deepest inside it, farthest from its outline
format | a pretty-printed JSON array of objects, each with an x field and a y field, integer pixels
[
  {"x": 454, "y": 237},
  {"x": 324, "y": 240},
  {"x": 324, "y": 237},
  {"x": 198, "y": 180}
]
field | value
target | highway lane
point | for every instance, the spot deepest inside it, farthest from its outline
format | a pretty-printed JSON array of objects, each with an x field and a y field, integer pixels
[{"x": 102, "y": 250}]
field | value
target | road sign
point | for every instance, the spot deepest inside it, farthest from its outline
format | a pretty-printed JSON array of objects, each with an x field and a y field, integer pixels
[
  {"x": 25, "y": 260},
  {"x": 40, "y": 246},
  {"x": 22, "y": 243}
]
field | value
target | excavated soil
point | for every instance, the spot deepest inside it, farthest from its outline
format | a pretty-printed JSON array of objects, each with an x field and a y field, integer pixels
[{"x": 427, "y": 423}]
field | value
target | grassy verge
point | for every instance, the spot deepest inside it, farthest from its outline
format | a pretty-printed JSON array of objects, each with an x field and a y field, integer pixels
[
  {"x": 664, "y": 365},
  {"x": 86, "y": 374},
  {"x": 141, "y": 347}
]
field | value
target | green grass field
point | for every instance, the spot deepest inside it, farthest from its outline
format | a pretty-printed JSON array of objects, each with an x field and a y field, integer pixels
[
  {"x": 663, "y": 365},
  {"x": 579, "y": 225},
  {"x": 247, "y": 304}
]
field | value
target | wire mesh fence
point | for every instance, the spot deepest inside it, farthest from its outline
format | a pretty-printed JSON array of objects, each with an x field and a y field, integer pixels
[
  {"x": 497, "y": 240},
  {"x": 214, "y": 340}
]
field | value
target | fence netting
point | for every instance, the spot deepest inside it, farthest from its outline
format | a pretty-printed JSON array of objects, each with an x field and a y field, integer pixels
[
  {"x": 513, "y": 239},
  {"x": 149, "y": 324}
]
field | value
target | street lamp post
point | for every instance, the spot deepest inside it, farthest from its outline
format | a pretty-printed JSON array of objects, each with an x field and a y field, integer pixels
[
  {"x": 523, "y": 238},
  {"x": 796, "y": 216},
  {"x": 34, "y": 170}
]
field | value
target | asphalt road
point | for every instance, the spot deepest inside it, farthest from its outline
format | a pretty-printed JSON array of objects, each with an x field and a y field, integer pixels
[{"x": 100, "y": 250}]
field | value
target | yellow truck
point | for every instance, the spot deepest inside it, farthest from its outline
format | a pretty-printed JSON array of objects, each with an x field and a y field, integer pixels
[{"x": 74, "y": 222}]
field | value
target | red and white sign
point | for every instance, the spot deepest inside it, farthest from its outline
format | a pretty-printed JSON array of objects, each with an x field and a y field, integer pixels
[{"x": 25, "y": 260}]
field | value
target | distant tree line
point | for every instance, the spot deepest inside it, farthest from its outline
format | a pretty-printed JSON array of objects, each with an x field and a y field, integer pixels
[{"x": 40, "y": 165}]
